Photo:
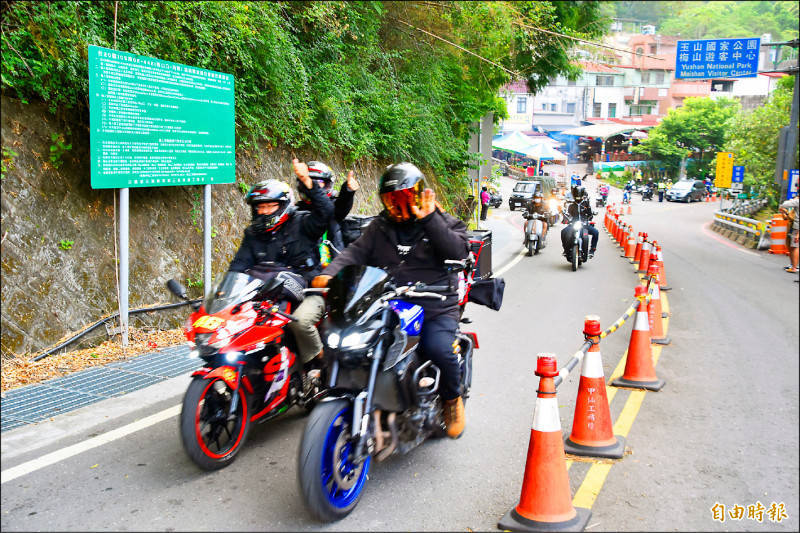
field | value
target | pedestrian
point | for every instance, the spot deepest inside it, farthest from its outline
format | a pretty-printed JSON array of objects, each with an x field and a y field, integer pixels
[
  {"x": 484, "y": 203},
  {"x": 530, "y": 171},
  {"x": 662, "y": 187},
  {"x": 789, "y": 210}
]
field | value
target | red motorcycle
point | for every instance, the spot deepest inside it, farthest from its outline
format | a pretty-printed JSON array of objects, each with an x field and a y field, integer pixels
[{"x": 251, "y": 372}]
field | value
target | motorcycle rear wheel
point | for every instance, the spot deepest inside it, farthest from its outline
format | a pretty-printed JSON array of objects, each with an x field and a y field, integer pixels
[
  {"x": 210, "y": 439},
  {"x": 330, "y": 483}
]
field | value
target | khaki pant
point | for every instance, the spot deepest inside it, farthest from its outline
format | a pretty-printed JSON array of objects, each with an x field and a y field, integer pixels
[{"x": 305, "y": 331}]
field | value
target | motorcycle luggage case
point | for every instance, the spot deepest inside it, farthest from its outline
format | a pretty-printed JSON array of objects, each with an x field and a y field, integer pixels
[{"x": 480, "y": 242}]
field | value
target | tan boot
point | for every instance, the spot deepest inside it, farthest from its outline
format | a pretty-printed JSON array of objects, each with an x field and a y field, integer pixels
[{"x": 454, "y": 417}]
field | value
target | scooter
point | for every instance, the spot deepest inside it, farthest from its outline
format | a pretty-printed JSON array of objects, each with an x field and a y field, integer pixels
[
  {"x": 647, "y": 194},
  {"x": 534, "y": 228}
]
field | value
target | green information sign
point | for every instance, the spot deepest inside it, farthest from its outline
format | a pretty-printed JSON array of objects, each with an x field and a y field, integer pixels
[{"x": 156, "y": 123}]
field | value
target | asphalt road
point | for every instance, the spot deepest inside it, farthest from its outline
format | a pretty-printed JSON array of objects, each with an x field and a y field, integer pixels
[{"x": 723, "y": 430}]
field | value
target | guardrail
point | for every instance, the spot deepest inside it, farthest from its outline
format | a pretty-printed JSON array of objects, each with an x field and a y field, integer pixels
[{"x": 745, "y": 231}]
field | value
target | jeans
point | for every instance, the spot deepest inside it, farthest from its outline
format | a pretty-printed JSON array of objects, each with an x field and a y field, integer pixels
[
  {"x": 660, "y": 196},
  {"x": 484, "y": 210},
  {"x": 437, "y": 339},
  {"x": 308, "y": 313}
]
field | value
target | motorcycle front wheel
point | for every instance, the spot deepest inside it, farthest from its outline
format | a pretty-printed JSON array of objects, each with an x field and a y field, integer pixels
[
  {"x": 575, "y": 257},
  {"x": 330, "y": 482},
  {"x": 210, "y": 436},
  {"x": 531, "y": 246}
]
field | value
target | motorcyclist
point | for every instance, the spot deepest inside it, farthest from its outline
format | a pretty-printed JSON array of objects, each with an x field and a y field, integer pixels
[
  {"x": 536, "y": 205},
  {"x": 411, "y": 239},
  {"x": 282, "y": 238},
  {"x": 580, "y": 204},
  {"x": 604, "y": 193},
  {"x": 342, "y": 204},
  {"x": 628, "y": 191}
]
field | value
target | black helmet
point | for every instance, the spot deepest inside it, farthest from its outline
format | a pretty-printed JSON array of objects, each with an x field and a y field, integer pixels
[
  {"x": 270, "y": 191},
  {"x": 578, "y": 193},
  {"x": 401, "y": 186},
  {"x": 323, "y": 175}
]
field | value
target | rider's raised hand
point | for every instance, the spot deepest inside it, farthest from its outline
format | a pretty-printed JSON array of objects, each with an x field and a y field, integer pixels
[
  {"x": 320, "y": 282},
  {"x": 428, "y": 202},
  {"x": 352, "y": 184},
  {"x": 301, "y": 169}
]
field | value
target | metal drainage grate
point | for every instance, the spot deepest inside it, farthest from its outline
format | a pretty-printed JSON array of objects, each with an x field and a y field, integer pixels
[{"x": 38, "y": 402}]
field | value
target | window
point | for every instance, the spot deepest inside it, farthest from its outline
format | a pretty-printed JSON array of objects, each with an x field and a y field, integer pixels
[
  {"x": 639, "y": 51},
  {"x": 659, "y": 77},
  {"x": 553, "y": 107},
  {"x": 653, "y": 48},
  {"x": 597, "y": 109},
  {"x": 612, "y": 110},
  {"x": 637, "y": 110},
  {"x": 571, "y": 108},
  {"x": 605, "y": 80},
  {"x": 645, "y": 76},
  {"x": 522, "y": 104}
]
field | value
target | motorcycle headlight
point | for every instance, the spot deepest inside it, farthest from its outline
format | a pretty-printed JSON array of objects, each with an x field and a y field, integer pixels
[
  {"x": 232, "y": 357},
  {"x": 577, "y": 225},
  {"x": 194, "y": 354},
  {"x": 333, "y": 340},
  {"x": 358, "y": 339}
]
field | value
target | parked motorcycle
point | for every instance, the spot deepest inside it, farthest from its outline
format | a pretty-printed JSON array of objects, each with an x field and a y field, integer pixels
[
  {"x": 383, "y": 396},
  {"x": 251, "y": 371}
]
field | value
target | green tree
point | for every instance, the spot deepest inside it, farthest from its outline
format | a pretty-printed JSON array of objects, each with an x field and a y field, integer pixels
[
  {"x": 698, "y": 126},
  {"x": 753, "y": 138},
  {"x": 728, "y": 19}
]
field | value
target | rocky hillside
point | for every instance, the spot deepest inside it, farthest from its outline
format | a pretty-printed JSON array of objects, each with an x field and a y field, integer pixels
[{"x": 58, "y": 234}]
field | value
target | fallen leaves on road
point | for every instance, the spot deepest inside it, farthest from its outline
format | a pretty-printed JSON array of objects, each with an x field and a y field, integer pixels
[{"x": 18, "y": 372}]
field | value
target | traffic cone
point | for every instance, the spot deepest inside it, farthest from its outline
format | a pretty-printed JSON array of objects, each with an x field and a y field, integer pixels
[
  {"x": 662, "y": 277},
  {"x": 592, "y": 434},
  {"x": 637, "y": 253},
  {"x": 545, "y": 503},
  {"x": 617, "y": 230},
  {"x": 630, "y": 246},
  {"x": 644, "y": 260},
  {"x": 629, "y": 209},
  {"x": 654, "y": 311},
  {"x": 625, "y": 235},
  {"x": 639, "y": 371}
]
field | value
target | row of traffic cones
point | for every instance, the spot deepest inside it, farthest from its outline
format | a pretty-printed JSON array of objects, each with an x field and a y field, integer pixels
[{"x": 545, "y": 502}]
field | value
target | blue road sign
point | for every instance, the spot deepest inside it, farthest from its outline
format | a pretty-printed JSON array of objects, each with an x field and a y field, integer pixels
[
  {"x": 718, "y": 58},
  {"x": 794, "y": 178},
  {"x": 738, "y": 174}
]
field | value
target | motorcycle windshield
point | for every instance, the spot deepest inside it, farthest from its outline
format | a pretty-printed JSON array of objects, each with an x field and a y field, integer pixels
[
  {"x": 353, "y": 290},
  {"x": 231, "y": 288}
]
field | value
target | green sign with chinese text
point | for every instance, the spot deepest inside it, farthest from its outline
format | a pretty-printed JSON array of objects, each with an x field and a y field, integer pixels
[{"x": 156, "y": 123}]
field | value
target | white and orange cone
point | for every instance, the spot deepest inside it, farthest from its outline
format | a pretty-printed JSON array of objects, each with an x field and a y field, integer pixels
[
  {"x": 637, "y": 253},
  {"x": 545, "y": 503},
  {"x": 592, "y": 434},
  {"x": 644, "y": 259},
  {"x": 662, "y": 277},
  {"x": 654, "y": 311},
  {"x": 639, "y": 371}
]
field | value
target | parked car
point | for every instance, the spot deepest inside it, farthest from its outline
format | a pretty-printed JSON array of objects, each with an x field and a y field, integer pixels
[{"x": 686, "y": 191}]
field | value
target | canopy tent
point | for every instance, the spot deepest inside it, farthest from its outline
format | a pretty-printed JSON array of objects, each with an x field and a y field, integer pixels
[
  {"x": 603, "y": 131},
  {"x": 638, "y": 134},
  {"x": 538, "y": 148}
]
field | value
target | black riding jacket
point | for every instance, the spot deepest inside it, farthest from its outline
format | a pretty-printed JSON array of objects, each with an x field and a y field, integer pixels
[
  {"x": 342, "y": 205},
  {"x": 411, "y": 252},
  {"x": 293, "y": 244}
]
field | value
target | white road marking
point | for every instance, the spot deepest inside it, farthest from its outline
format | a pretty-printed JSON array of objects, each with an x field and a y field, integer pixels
[
  {"x": 510, "y": 264},
  {"x": 70, "y": 451}
]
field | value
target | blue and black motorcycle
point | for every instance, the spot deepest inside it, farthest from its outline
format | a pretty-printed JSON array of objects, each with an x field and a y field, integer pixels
[{"x": 384, "y": 396}]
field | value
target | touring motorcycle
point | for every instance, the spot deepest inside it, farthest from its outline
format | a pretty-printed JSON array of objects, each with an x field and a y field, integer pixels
[
  {"x": 383, "y": 394},
  {"x": 251, "y": 370}
]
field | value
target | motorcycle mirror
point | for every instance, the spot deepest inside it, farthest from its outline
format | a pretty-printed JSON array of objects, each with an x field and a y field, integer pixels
[{"x": 177, "y": 289}]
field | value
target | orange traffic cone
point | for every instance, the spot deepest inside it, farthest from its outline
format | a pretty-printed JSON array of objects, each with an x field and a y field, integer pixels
[
  {"x": 639, "y": 371},
  {"x": 644, "y": 260},
  {"x": 592, "y": 434},
  {"x": 630, "y": 245},
  {"x": 637, "y": 253},
  {"x": 629, "y": 209},
  {"x": 617, "y": 230},
  {"x": 654, "y": 312},
  {"x": 662, "y": 277},
  {"x": 545, "y": 503}
]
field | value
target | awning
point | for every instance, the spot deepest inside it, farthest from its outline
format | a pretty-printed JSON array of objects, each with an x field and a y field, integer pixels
[
  {"x": 528, "y": 146},
  {"x": 604, "y": 131}
]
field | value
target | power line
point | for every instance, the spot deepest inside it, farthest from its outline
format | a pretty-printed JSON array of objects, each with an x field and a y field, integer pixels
[{"x": 460, "y": 48}]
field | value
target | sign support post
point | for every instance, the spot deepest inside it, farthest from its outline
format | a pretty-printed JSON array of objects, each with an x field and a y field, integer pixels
[
  {"x": 206, "y": 239},
  {"x": 123, "y": 264}
]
